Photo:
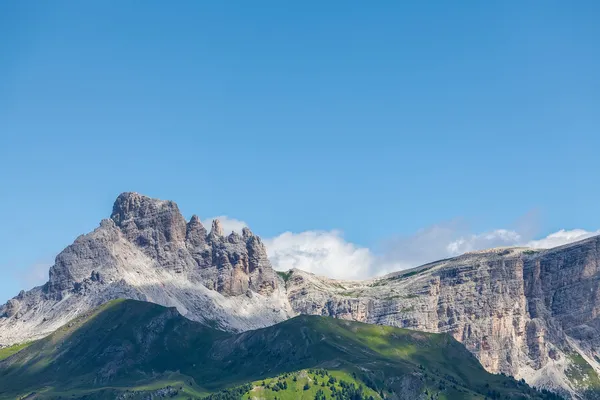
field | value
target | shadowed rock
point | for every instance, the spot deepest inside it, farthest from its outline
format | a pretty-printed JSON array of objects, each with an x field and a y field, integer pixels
[{"x": 147, "y": 251}]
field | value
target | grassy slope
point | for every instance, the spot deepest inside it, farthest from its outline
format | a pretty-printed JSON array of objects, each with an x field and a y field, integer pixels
[
  {"x": 130, "y": 345},
  {"x": 6, "y": 352}
]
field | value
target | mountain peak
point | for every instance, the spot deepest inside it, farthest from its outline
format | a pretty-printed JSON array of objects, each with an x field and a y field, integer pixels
[
  {"x": 217, "y": 228},
  {"x": 147, "y": 221},
  {"x": 196, "y": 233},
  {"x": 147, "y": 250},
  {"x": 134, "y": 205}
]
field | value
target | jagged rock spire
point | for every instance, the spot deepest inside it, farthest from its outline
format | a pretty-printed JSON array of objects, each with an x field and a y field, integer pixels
[
  {"x": 217, "y": 229},
  {"x": 195, "y": 233},
  {"x": 142, "y": 236},
  {"x": 246, "y": 232},
  {"x": 234, "y": 237}
]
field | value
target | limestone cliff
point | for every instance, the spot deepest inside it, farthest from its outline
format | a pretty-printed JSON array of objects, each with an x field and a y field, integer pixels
[
  {"x": 530, "y": 314},
  {"x": 147, "y": 251},
  {"x": 533, "y": 314}
]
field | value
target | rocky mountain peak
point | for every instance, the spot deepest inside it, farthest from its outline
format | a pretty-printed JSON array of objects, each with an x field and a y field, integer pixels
[
  {"x": 148, "y": 221},
  {"x": 217, "y": 229},
  {"x": 524, "y": 312},
  {"x": 134, "y": 205},
  {"x": 246, "y": 232},
  {"x": 195, "y": 232},
  {"x": 234, "y": 237},
  {"x": 146, "y": 250}
]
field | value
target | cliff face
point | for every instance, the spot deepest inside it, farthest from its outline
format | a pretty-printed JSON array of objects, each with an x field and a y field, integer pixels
[
  {"x": 479, "y": 299},
  {"x": 230, "y": 265},
  {"x": 530, "y": 314},
  {"x": 147, "y": 251}
]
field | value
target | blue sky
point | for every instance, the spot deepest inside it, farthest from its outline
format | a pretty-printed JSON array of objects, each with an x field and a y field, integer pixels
[{"x": 370, "y": 127}]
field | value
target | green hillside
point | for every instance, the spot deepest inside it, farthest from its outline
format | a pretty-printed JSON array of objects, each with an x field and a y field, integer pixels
[{"x": 128, "y": 349}]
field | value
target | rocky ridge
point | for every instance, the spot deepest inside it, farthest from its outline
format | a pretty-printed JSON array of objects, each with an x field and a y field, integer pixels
[
  {"x": 530, "y": 314},
  {"x": 147, "y": 251}
]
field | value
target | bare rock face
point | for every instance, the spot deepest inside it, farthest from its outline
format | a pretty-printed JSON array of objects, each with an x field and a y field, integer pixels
[
  {"x": 11, "y": 309},
  {"x": 195, "y": 235},
  {"x": 238, "y": 263},
  {"x": 230, "y": 265},
  {"x": 155, "y": 226},
  {"x": 531, "y": 314},
  {"x": 216, "y": 230},
  {"x": 147, "y": 251}
]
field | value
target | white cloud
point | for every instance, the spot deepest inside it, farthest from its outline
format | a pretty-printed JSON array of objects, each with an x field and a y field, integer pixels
[
  {"x": 327, "y": 253},
  {"x": 35, "y": 275},
  {"x": 229, "y": 224},
  {"x": 562, "y": 237},
  {"x": 438, "y": 242},
  {"x": 495, "y": 238},
  {"x": 320, "y": 252}
]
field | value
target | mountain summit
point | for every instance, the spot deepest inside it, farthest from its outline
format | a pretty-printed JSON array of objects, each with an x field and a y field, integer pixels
[
  {"x": 532, "y": 314},
  {"x": 231, "y": 265},
  {"x": 147, "y": 251}
]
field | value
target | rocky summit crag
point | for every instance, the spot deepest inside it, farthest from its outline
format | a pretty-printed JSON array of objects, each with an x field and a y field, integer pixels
[
  {"x": 532, "y": 314},
  {"x": 147, "y": 251}
]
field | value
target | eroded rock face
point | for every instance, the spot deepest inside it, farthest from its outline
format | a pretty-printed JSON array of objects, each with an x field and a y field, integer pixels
[
  {"x": 231, "y": 265},
  {"x": 521, "y": 312},
  {"x": 147, "y": 251},
  {"x": 530, "y": 314},
  {"x": 155, "y": 226}
]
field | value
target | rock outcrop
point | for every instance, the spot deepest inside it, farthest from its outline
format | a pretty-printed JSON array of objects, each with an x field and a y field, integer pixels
[
  {"x": 533, "y": 314},
  {"x": 530, "y": 314},
  {"x": 147, "y": 251}
]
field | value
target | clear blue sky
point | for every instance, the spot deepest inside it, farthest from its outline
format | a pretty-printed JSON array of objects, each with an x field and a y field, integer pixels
[{"x": 375, "y": 118}]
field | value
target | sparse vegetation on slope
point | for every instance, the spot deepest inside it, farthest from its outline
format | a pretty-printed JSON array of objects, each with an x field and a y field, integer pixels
[
  {"x": 284, "y": 275},
  {"x": 583, "y": 376},
  {"x": 6, "y": 352}
]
